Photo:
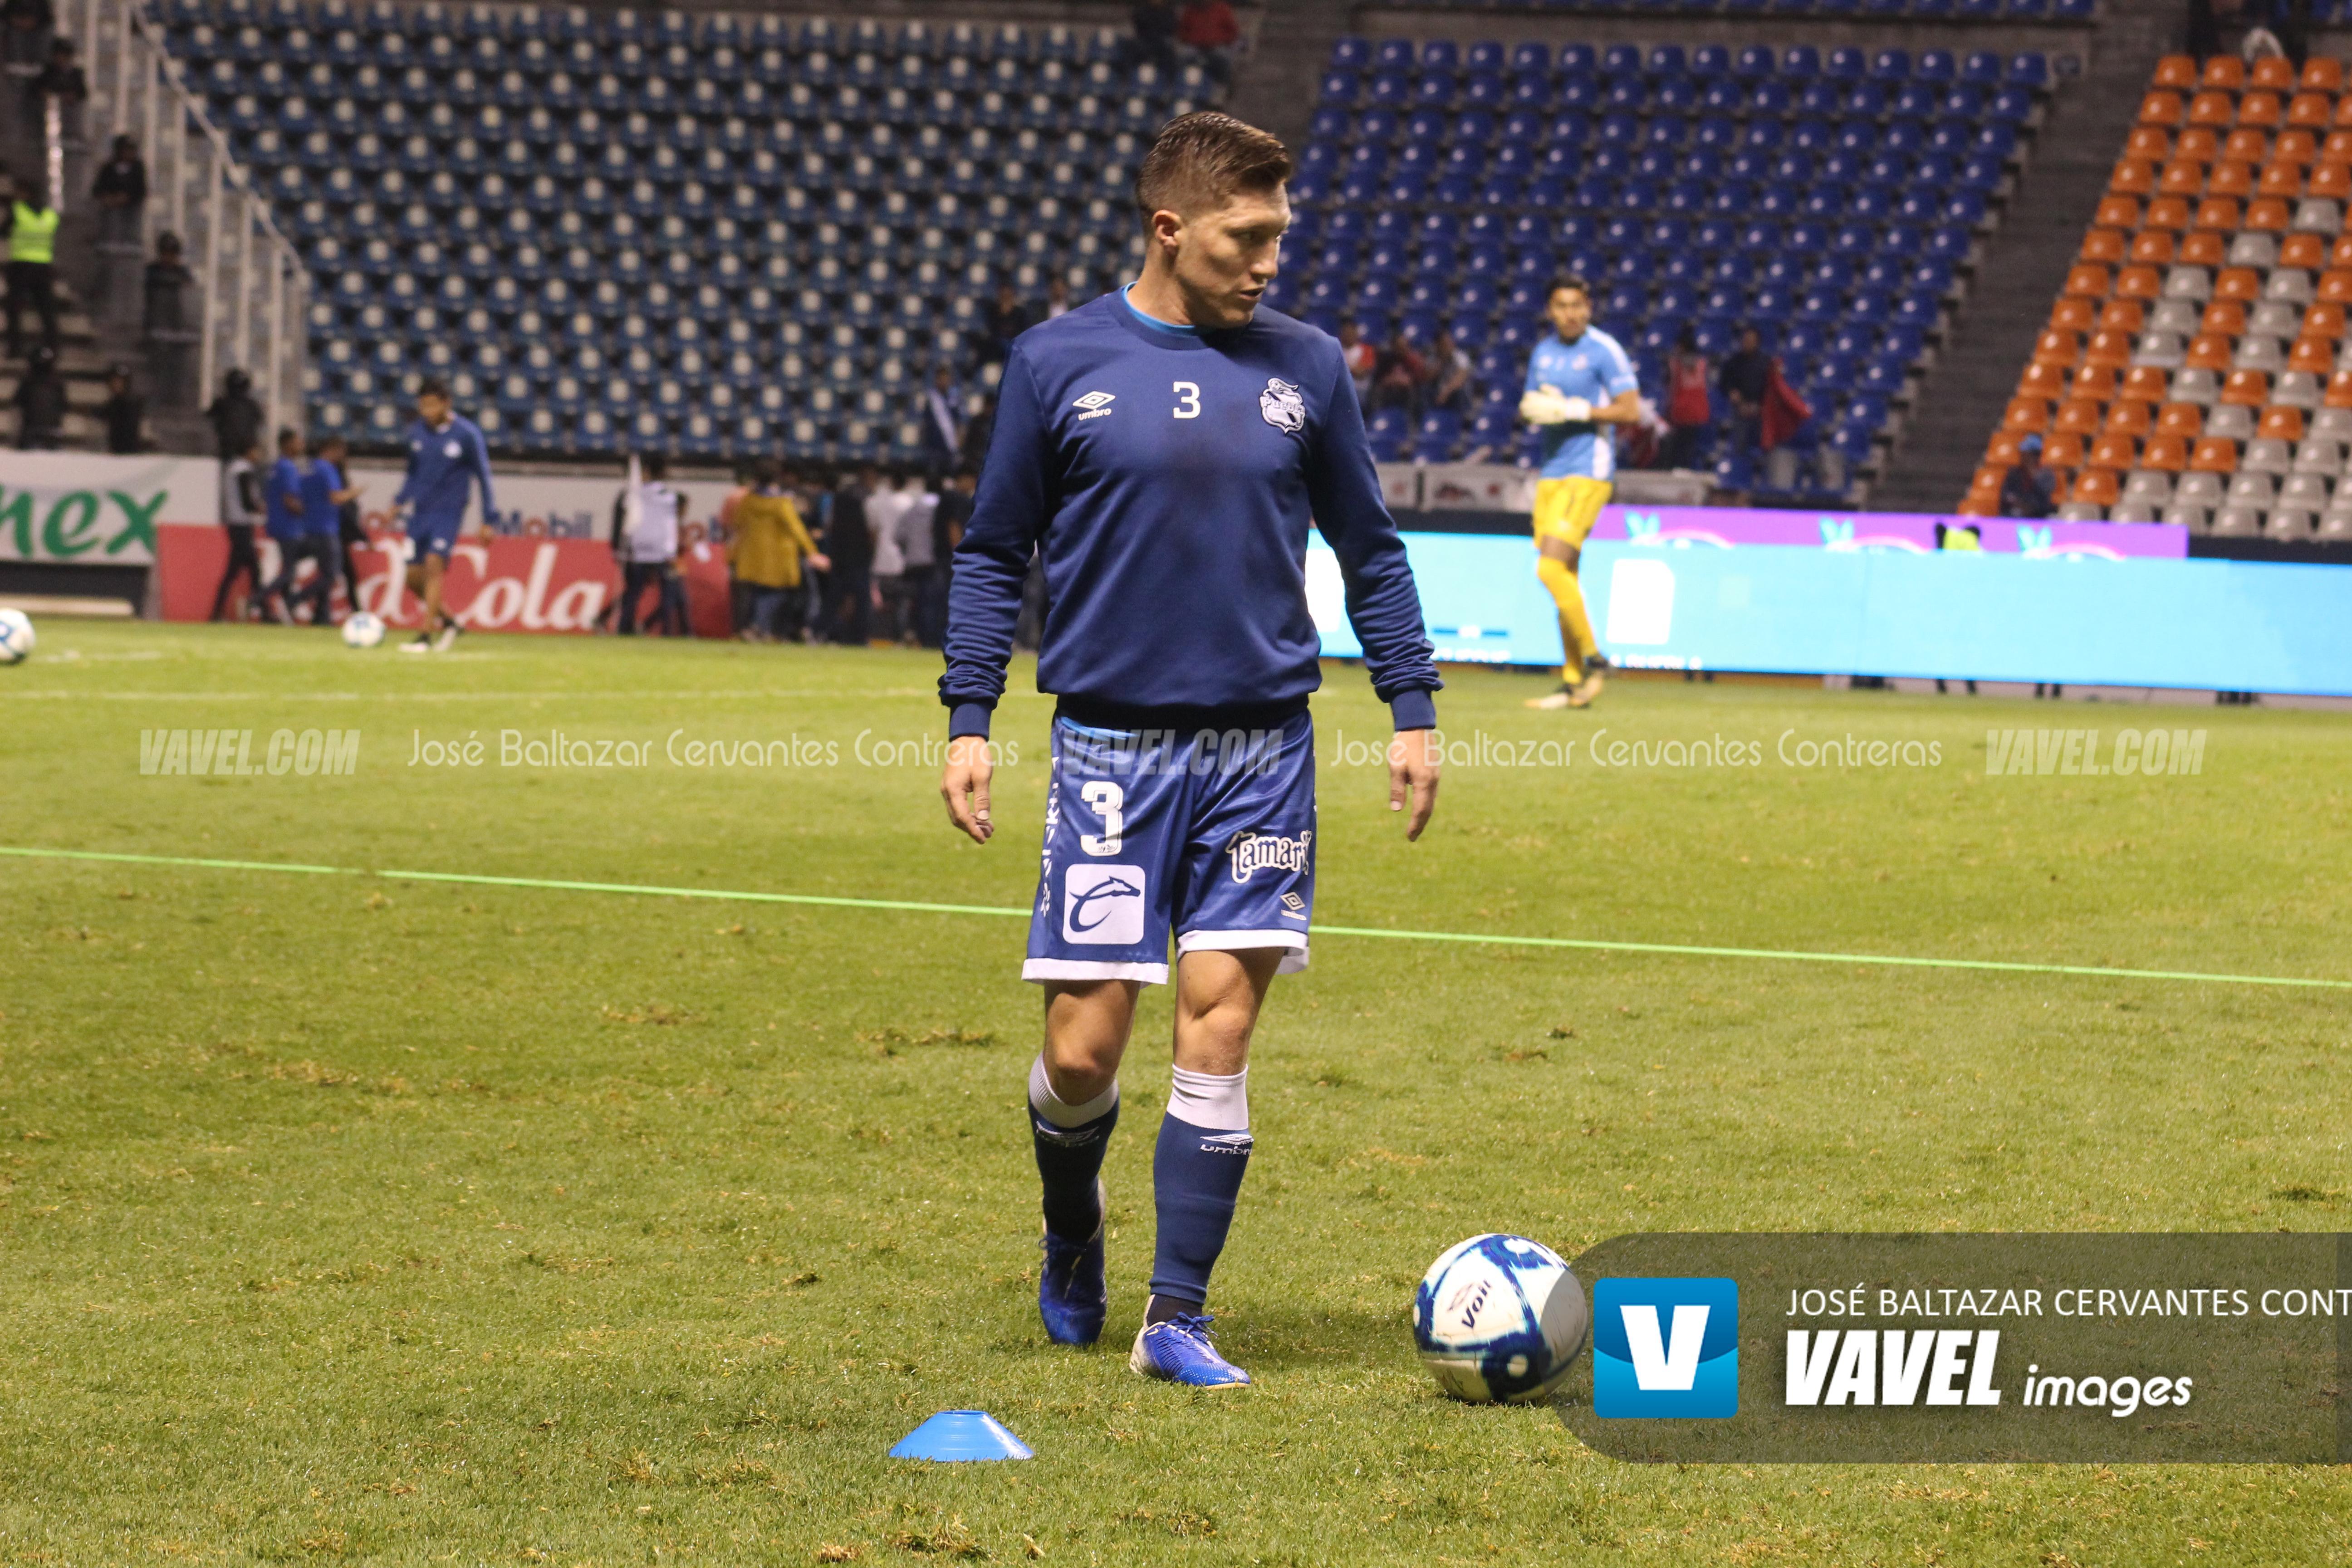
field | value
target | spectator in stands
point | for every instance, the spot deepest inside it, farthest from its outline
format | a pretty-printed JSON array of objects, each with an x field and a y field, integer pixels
[
  {"x": 645, "y": 538},
  {"x": 886, "y": 503},
  {"x": 62, "y": 83},
  {"x": 168, "y": 280},
  {"x": 28, "y": 25},
  {"x": 32, "y": 263},
  {"x": 1210, "y": 32},
  {"x": 241, "y": 510},
  {"x": 2029, "y": 490},
  {"x": 1399, "y": 377},
  {"x": 1004, "y": 320},
  {"x": 124, "y": 412},
  {"x": 849, "y": 545},
  {"x": 1745, "y": 376},
  {"x": 916, "y": 551},
  {"x": 1152, "y": 36},
  {"x": 41, "y": 404},
  {"x": 942, "y": 423},
  {"x": 766, "y": 549},
  {"x": 235, "y": 418},
  {"x": 1449, "y": 374},
  {"x": 121, "y": 192},
  {"x": 1362, "y": 358},
  {"x": 1057, "y": 297},
  {"x": 1690, "y": 410}
]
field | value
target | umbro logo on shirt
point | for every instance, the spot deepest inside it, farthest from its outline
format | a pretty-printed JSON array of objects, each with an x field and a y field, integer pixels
[{"x": 1096, "y": 404}]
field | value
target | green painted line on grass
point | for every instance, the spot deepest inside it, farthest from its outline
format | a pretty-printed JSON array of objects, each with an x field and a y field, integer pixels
[{"x": 728, "y": 895}]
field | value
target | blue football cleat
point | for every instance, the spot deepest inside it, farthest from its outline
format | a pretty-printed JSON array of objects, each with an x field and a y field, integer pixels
[
  {"x": 1179, "y": 1351},
  {"x": 1071, "y": 1295}
]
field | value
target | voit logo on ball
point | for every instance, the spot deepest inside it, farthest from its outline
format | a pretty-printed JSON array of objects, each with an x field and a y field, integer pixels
[{"x": 1665, "y": 1347}]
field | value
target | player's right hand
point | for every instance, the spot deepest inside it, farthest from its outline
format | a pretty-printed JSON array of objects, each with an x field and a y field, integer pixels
[
  {"x": 1544, "y": 407},
  {"x": 963, "y": 784}
]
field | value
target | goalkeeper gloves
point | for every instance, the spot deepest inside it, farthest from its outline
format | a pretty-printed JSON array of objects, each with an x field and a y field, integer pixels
[{"x": 1545, "y": 406}]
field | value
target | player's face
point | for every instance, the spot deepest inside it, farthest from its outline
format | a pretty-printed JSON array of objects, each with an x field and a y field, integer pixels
[
  {"x": 1227, "y": 256},
  {"x": 431, "y": 410},
  {"x": 1570, "y": 311}
]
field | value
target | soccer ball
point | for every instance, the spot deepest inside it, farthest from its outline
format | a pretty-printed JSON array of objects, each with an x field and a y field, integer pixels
[
  {"x": 16, "y": 636},
  {"x": 1498, "y": 1318},
  {"x": 361, "y": 630}
]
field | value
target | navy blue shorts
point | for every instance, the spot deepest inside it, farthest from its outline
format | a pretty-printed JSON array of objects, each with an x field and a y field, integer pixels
[
  {"x": 433, "y": 536},
  {"x": 1206, "y": 836}
]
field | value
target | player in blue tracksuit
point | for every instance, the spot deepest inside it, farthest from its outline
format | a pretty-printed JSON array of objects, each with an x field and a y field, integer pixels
[
  {"x": 446, "y": 454},
  {"x": 290, "y": 530},
  {"x": 1165, "y": 450},
  {"x": 323, "y": 494}
]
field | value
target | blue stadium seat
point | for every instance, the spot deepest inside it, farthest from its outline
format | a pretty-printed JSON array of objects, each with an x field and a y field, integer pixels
[
  {"x": 1530, "y": 59},
  {"x": 1846, "y": 64},
  {"x": 1709, "y": 61},
  {"x": 1441, "y": 55},
  {"x": 1891, "y": 66},
  {"x": 1800, "y": 62},
  {"x": 1578, "y": 59},
  {"x": 1352, "y": 54},
  {"x": 1393, "y": 55}
]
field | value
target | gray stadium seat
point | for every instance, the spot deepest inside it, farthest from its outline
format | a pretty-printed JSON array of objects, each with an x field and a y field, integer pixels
[
  {"x": 2144, "y": 489},
  {"x": 2233, "y": 421},
  {"x": 2288, "y": 527},
  {"x": 2197, "y": 489},
  {"x": 2332, "y": 424},
  {"x": 2194, "y": 385},
  {"x": 2336, "y": 527},
  {"x": 2188, "y": 283},
  {"x": 2178, "y": 316},
  {"x": 2082, "y": 511},
  {"x": 2130, "y": 511},
  {"x": 2319, "y": 456},
  {"x": 2195, "y": 518},
  {"x": 2253, "y": 249},
  {"x": 2297, "y": 389},
  {"x": 2318, "y": 215},
  {"x": 2275, "y": 319},
  {"x": 2291, "y": 284},
  {"x": 2304, "y": 492},
  {"x": 2266, "y": 456},
  {"x": 2259, "y": 353},
  {"x": 2237, "y": 522},
  {"x": 2165, "y": 350}
]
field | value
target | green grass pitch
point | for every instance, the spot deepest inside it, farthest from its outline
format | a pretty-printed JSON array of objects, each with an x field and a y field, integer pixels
[{"x": 347, "y": 1218}]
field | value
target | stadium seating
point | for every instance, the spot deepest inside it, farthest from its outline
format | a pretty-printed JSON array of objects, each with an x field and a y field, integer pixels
[
  {"x": 2200, "y": 346},
  {"x": 2012, "y": 12},
  {"x": 1830, "y": 199},
  {"x": 717, "y": 234}
]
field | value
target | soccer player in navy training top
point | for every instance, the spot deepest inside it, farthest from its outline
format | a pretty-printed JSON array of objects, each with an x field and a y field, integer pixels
[
  {"x": 446, "y": 454},
  {"x": 1165, "y": 447}
]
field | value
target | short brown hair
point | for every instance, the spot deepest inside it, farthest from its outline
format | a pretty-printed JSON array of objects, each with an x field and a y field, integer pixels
[{"x": 1201, "y": 158}]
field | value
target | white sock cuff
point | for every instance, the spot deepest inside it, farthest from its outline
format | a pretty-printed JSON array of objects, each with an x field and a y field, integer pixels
[
  {"x": 1205, "y": 1099},
  {"x": 1057, "y": 1112}
]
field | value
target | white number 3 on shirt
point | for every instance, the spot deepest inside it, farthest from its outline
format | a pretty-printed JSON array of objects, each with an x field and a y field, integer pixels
[{"x": 1190, "y": 405}]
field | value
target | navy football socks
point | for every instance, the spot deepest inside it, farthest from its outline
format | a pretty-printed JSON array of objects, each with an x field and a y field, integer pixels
[
  {"x": 1070, "y": 1141},
  {"x": 1196, "y": 1179}
]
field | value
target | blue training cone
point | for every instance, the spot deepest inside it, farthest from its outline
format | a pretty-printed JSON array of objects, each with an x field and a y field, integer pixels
[{"x": 959, "y": 1435}]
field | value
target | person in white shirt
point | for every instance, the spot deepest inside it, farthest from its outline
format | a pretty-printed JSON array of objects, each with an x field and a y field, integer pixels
[
  {"x": 644, "y": 537},
  {"x": 883, "y": 508},
  {"x": 241, "y": 510},
  {"x": 917, "y": 549}
]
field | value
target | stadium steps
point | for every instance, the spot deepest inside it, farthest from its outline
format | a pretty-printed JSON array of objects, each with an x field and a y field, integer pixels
[
  {"x": 2023, "y": 265},
  {"x": 1276, "y": 88}
]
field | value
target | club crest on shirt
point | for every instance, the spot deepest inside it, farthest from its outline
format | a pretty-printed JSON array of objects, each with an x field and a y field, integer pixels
[{"x": 1283, "y": 407}]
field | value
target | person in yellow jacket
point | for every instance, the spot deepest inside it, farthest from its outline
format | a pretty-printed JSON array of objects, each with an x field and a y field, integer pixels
[
  {"x": 32, "y": 263},
  {"x": 769, "y": 542}
]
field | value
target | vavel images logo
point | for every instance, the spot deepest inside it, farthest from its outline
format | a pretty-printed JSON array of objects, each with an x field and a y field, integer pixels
[{"x": 1665, "y": 1347}]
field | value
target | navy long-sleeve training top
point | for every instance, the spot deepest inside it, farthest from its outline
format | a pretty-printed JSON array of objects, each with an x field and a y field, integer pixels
[
  {"x": 442, "y": 466},
  {"x": 1168, "y": 476}
]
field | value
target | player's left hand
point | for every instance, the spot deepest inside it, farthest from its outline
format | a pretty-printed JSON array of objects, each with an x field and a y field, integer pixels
[
  {"x": 1579, "y": 410},
  {"x": 1414, "y": 760}
]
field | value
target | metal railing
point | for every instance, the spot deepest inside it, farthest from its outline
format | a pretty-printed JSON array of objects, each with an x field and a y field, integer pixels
[{"x": 252, "y": 289}]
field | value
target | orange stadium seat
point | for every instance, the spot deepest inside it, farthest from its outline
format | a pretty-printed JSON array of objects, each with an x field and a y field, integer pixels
[
  {"x": 2247, "y": 145},
  {"x": 2333, "y": 180},
  {"x": 2117, "y": 212},
  {"x": 2210, "y": 351},
  {"x": 2268, "y": 214},
  {"x": 2238, "y": 283},
  {"x": 2095, "y": 382},
  {"x": 2215, "y": 454},
  {"x": 2206, "y": 247},
  {"x": 1986, "y": 484},
  {"x": 2090, "y": 282},
  {"x": 2043, "y": 383},
  {"x": 2146, "y": 382},
  {"x": 2026, "y": 415},
  {"x": 2343, "y": 111},
  {"x": 2114, "y": 452},
  {"x": 2121, "y": 316},
  {"x": 2133, "y": 177},
  {"x": 2230, "y": 178},
  {"x": 2299, "y": 147},
  {"x": 2061, "y": 349},
  {"x": 2337, "y": 148},
  {"x": 2077, "y": 417},
  {"x": 2153, "y": 142},
  {"x": 2340, "y": 253},
  {"x": 2322, "y": 74},
  {"x": 2217, "y": 214},
  {"x": 2128, "y": 417},
  {"x": 2247, "y": 389},
  {"x": 2181, "y": 177},
  {"x": 2280, "y": 179},
  {"x": 2166, "y": 212},
  {"x": 2314, "y": 110},
  {"x": 2102, "y": 245},
  {"x": 2281, "y": 424},
  {"x": 2339, "y": 390},
  {"x": 2314, "y": 356},
  {"x": 2097, "y": 487},
  {"x": 2176, "y": 71},
  {"x": 2200, "y": 143},
  {"x": 2181, "y": 421},
  {"x": 2140, "y": 283},
  {"x": 2273, "y": 73},
  {"x": 2326, "y": 322},
  {"x": 2226, "y": 317},
  {"x": 2335, "y": 287},
  {"x": 2166, "y": 454},
  {"x": 2259, "y": 109},
  {"x": 2214, "y": 109},
  {"x": 2072, "y": 313},
  {"x": 2155, "y": 246},
  {"x": 2110, "y": 350},
  {"x": 2000, "y": 452},
  {"x": 2225, "y": 72},
  {"x": 2304, "y": 252},
  {"x": 2160, "y": 109},
  {"x": 2062, "y": 451}
]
